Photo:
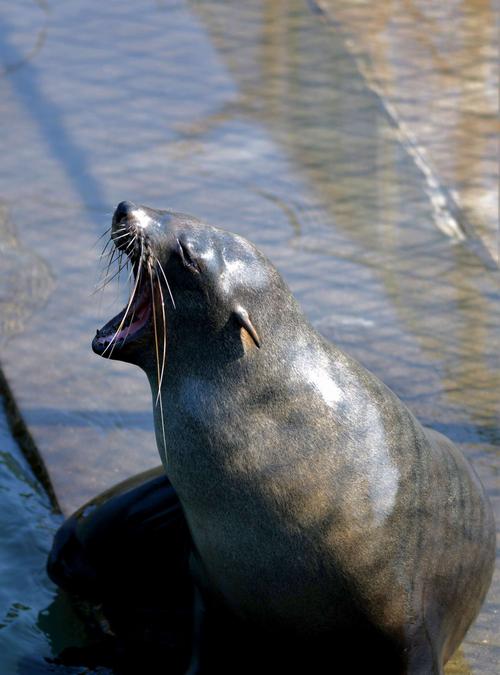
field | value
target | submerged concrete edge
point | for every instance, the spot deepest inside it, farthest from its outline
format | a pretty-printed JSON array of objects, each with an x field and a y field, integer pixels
[{"x": 24, "y": 439}]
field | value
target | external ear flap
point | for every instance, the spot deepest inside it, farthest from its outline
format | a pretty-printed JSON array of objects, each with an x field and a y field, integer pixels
[{"x": 243, "y": 319}]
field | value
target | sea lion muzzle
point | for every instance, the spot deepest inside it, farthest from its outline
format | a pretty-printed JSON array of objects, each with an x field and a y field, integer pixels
[{"x": 130, "y": 234}]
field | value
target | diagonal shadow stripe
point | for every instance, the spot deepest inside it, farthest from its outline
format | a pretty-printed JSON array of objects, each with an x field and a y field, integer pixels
[{"x": 49, "y": 119}]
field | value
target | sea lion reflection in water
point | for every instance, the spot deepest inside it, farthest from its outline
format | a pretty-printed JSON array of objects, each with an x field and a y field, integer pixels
[{"x": 318, "y": 515}]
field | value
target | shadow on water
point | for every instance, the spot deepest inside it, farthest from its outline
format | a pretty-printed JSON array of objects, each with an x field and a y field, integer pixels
[
  {"x": 51, "y": 124},
  {"x": 124, "y": 419},
  {"x": 105, "y": 419}
]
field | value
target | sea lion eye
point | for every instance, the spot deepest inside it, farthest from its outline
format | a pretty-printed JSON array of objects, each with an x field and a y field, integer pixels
[{"x": 186, "y": 257}]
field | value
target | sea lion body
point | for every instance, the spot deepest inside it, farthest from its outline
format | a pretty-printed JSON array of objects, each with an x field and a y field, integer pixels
[
  {"x": 315, "y": 499},
  {"x": 317, "y": 504},
  {"x": 126, "y": 555}
]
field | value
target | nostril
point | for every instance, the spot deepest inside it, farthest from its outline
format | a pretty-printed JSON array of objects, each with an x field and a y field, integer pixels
[{"x": 123, "y": 210}]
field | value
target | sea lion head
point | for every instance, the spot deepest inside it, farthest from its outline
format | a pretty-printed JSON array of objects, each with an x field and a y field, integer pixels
[{"x": 191, "y": 281}]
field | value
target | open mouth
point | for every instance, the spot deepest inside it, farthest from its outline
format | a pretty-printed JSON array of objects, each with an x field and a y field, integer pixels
[
  {"x": 126, "y": 326},
  {"x": 144, "y": 317}
]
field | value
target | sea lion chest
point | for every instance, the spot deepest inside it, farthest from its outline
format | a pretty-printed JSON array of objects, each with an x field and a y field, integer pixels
[{"x": 273, "y": 495}]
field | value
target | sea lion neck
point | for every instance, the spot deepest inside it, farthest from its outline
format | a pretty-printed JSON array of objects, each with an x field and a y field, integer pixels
[{"x": 212, "y": 351}]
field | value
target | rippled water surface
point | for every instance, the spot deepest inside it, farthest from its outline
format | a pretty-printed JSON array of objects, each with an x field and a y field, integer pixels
[{"x": 288, "y": 123}]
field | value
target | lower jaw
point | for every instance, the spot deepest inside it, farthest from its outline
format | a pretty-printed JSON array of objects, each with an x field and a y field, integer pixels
[
  {"x": 134, "y": 350},
  {"x": 115, "y": 343}
]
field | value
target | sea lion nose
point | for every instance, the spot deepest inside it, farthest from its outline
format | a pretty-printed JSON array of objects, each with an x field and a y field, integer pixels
[
  {"x": 123, "y": 211},
  {"x": 129, "y": 218}
]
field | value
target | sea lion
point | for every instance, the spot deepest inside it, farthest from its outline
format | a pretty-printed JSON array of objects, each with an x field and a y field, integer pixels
[{"x": 321, "y": 512}]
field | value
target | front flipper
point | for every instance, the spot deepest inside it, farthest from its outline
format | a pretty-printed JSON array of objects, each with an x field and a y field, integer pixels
[{"x": 127, "y": 551}]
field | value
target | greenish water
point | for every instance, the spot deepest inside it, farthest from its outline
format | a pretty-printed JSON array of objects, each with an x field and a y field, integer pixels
[{"x": 36, "y": 621}]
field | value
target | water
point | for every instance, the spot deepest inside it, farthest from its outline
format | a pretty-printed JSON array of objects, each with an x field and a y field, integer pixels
[
  {"x": 36, "y": 621},
  {"x": 261, "y": 118},
  {"x": 449, "y": 122}
]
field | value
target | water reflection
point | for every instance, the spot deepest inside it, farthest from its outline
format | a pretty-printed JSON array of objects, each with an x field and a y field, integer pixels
[{"x": 438, "y": 64}]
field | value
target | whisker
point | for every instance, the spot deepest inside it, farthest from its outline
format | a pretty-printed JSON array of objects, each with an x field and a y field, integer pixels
[
  {"x": 103, "y": 255},
  {"x": 158, "y": 398},
  {"x": 119, "y": 256},
  {"x": 130, "y": 243},
  {"x": 105, "y": 273},
  {"x": 122, "y": 322},
  {"x": 121, "y": 265},
  {"x": 131, "y": 272},
  {"x": 112, "y": 258},
  {"x": 103, "y": 252},
  {"x": 103, "y": 235},
  {"x": 166, "y": 282},
  {"x": 164, "y": 340},
  {"x": 138, "y": 264},
  {"x": 127, "y": 234},
  {"x": 133, "y": 313},
  {"x": 120, "y": 228},
  {"x": 130, "y": 325},
  {"x": 108, "y": 279}
]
